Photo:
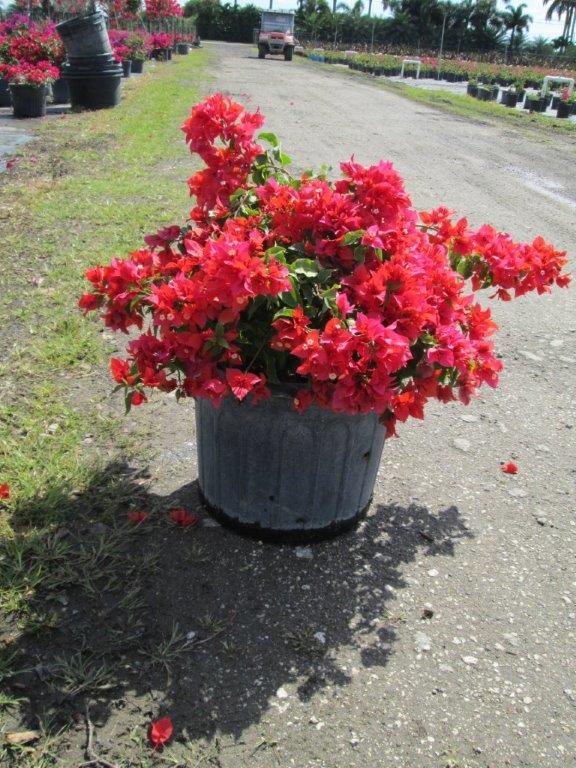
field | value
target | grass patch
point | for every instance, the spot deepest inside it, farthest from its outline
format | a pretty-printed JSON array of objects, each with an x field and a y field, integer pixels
[
  {"x": 466, "y": 106},
  {"x": 89, "y": 187}
]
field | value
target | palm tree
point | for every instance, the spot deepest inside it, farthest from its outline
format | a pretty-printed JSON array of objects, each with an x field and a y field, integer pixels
[
  {"x": 487, "y": 27},
  {"x": 565, "y": 8},
  {"x": 516, "y": 21},
  {"x": 541, "y": 46},
  {"x": 463, "y": 14}
]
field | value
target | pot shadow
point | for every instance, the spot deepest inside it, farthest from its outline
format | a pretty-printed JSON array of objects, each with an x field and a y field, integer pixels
[{"x": 199, "y": 623}]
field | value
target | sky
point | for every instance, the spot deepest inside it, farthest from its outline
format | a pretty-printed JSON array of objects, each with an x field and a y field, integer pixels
[{"x": 535, "y": 8}]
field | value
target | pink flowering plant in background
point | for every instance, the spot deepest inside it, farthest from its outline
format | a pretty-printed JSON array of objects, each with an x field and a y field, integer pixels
[{"x": 338, "y": 287}]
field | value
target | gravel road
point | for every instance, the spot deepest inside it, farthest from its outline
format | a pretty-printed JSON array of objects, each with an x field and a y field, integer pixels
[{"x": 442, "y": 632}]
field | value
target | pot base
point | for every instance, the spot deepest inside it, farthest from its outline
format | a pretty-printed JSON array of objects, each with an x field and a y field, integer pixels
[{"x": 277, "y": 536}]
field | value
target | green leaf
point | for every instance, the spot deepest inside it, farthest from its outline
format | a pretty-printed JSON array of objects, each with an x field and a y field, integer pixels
[
  {"x": 329, "y": 299},
  {"x": 271, "y": 138},
  {"x": 278, "y": 252},
  {"x": 285, "y": 312},
  {"x": 351, "y": 238},
  {"x": 306, "y": 267},
  {"x": 285, "y": 159},
  {"x": 290, "y": 298},
  {"x": 464, "y": 268}
]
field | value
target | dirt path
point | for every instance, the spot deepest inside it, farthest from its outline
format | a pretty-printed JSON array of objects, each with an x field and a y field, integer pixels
[{"x": 489, "y": 680}]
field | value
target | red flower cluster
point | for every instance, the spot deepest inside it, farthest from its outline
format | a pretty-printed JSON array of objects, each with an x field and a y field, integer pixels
[
  {"x": 31, "y": 43},
  {"x": 339, "y": 287},
  {"x": 159, "y": 41},
  {"x": 220, "y": 132},
  {"x": 161, "y": 732},
  {"x": 29, "y": 74},
  {"x": 30, "y": 53},
  {"x": 162, "y": 9}
]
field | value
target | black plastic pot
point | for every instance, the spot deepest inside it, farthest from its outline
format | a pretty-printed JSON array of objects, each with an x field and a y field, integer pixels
[
  {"x": 92, "y": 74},
  {"x": 564, "y": 109},
  {"x": 5, "y": 98},
  {"x": 537, "y": 105},
  {"x": 60, "y": 91},
  {"x": 137, "y": 66},
  {"x": 28, "y": 100},
  {"x": 85, "y": 38},
  {"x": 555, "y": 102},
  {"x": 511, "y": 100},
  {"x": 472, "y": 90},
  {"x": 162, "y": 54},
  {"x": 182, "y": 49},
  {"x": 126, "y": 68},
  {"x": 95, "y": 91}
]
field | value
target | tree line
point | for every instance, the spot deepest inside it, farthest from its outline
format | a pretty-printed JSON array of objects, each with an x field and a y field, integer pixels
[{"x": 417, "y": 25}]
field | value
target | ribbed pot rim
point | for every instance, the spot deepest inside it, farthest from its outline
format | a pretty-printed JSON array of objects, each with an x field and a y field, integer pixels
[
  {"x": 29, "y": 87},
  {"x": 106, "y": 74},
  {"x": 80, "y": 21}
]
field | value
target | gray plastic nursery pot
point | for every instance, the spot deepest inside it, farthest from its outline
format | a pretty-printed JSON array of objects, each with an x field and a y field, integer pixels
[{"x": 272, "y": 473}]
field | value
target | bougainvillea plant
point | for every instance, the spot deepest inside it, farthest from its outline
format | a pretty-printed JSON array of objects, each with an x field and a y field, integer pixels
[
  {"x": 340, "y": 288},
  {"x": 160, "y": 41},
  {"x": 36, "y": 75},
  {"x": 162, "y": 9},
  {"x": 30, "y": 43}
]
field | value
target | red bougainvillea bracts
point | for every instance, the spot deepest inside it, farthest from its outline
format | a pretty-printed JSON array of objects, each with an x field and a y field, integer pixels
[
  {"x": 36, "y": 75},
  {"x": 339, "y": 287},
  {"x": 184, "y": 518},
  {"x": 161, "y": 732}
]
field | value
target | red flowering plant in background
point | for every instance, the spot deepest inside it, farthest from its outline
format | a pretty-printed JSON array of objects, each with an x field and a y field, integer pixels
[
  {"x": 339, "y": 287},
  {"x": 159, "y": 41},
  {"x": 35, "y": 75},
  {"x": 27, "y": 42},
  {"x": 162, "y": 9}
]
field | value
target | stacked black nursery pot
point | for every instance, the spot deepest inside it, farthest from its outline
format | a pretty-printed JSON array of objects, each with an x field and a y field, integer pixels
[{"x": 92, "y": 73}]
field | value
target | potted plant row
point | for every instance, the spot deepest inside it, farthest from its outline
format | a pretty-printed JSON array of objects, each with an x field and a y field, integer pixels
[
  {"x": 453, "y": 70},
  {"x": 131, "y": 49},
  {"x": 306, "y": 317}
]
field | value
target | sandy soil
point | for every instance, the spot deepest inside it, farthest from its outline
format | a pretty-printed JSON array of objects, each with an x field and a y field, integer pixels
[{"x": 489, "y": 680}]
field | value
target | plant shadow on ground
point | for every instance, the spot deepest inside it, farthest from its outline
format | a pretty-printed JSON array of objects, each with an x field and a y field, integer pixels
[{"x": 141, "y": 621}]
